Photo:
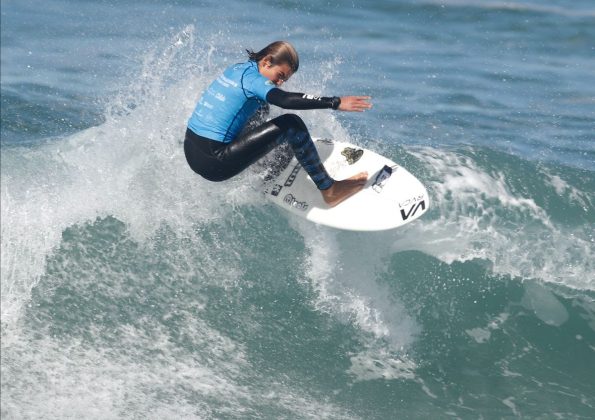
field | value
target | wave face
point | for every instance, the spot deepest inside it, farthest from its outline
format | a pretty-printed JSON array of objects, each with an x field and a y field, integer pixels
[{"x": 133, "y": 288}]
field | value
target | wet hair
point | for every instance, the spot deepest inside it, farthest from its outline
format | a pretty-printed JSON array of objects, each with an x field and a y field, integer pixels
[{"x": 279, "y": 52}]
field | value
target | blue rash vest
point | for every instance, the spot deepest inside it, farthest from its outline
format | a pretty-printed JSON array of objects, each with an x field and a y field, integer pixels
[{"x": 229, "y": 102}]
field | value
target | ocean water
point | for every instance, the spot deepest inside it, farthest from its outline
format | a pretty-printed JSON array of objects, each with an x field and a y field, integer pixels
[{"x": 131, "y": 288}]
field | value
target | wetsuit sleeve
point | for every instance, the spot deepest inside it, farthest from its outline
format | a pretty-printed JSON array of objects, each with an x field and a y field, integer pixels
[{"x": 293, "y": 100}]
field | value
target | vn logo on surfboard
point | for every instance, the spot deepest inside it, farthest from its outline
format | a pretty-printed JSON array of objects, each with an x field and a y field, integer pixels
[{"x": 410, "y": 206}]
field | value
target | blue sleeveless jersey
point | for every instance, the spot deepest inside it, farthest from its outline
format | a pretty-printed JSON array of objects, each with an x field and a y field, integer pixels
[{"x": 229, "y": 102}]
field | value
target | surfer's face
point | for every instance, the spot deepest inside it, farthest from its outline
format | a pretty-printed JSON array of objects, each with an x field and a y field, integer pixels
[{"x": 276, "y": 73}]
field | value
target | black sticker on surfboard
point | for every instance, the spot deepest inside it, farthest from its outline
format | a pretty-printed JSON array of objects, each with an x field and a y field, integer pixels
[
  {"x": 413, "y": 210},
  {"x": 352, "y": 155},
  {"x": 292, "y": 175}
]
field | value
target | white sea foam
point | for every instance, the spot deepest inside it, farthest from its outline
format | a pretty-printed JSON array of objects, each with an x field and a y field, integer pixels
[
  {"x": 509, "y": 402},
  {"x": 482, "y": 335},
  {"x": 380, "y": 364},
  {"x": 131, "y": 167},
  {"x": 476, "y": 215},
  {"x": 563, "y": 189},
  {"x": 344, "y": 269},
  {"x": 145, "y": 375}
]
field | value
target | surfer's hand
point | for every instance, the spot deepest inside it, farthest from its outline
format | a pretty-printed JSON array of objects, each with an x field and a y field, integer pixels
[{"x": 355, "y": 103}]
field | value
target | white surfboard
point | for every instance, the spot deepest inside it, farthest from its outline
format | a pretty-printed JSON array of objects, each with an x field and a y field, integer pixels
[{"x": 391, "y": 198}]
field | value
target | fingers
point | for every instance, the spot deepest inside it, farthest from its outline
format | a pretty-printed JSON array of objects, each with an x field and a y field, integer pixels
[
  {"x": 360, "y": 104},
  {"x": 355, "y": 103}
]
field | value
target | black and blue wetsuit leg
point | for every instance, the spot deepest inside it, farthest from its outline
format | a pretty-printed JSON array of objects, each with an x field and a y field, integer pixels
[{"x": 217, "y": 161}]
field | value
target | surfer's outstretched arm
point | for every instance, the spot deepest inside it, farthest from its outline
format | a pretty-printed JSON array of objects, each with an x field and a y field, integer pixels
[{"x": 295, "y": 100}]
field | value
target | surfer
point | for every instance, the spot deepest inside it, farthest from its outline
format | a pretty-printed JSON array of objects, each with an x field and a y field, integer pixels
[{"x": 217, "y": 145}]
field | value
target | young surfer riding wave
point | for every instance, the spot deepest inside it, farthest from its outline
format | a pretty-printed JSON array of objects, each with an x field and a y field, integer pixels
[{"x": 216, "y": 145}]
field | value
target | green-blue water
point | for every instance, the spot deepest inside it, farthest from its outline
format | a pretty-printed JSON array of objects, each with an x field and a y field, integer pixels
[{"x": 131, "y": 288}]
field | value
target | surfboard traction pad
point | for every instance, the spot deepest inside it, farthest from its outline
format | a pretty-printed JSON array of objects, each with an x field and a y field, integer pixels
[{"x": 352, "y": 155}]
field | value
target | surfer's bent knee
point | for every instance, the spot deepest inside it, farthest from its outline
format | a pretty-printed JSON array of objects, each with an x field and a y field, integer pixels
[{"x": 290, "y": 121}]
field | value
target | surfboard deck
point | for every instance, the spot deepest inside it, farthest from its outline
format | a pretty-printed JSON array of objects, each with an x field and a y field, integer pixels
[{"x": 391, "y": 198}]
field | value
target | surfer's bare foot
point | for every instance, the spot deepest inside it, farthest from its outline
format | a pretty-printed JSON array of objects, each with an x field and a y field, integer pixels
[{"x": 342, "y": 190}]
